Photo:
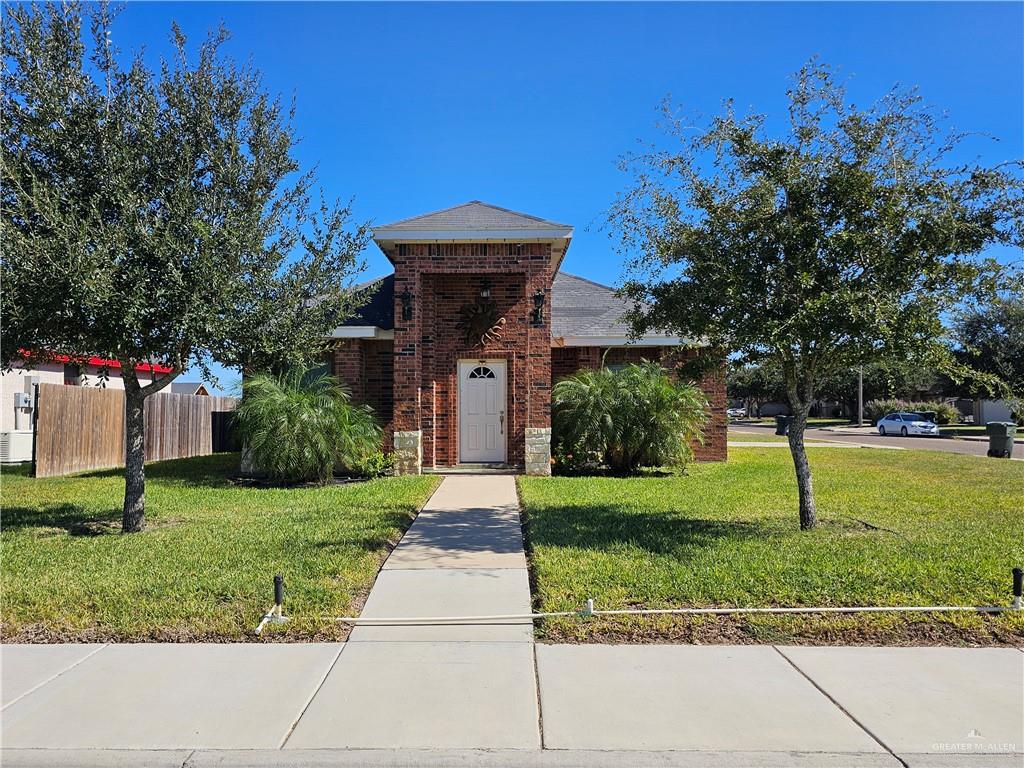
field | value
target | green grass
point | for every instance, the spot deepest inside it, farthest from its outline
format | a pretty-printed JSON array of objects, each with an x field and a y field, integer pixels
[
  {"x": 747, "y": 437},
  {"x": 766, "y": 437},
  {"x": 203, "y": 567},
  {"x": 897, "y": 528}
]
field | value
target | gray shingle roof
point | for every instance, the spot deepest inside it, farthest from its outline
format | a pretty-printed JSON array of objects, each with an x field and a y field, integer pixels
[
  {"x": 474, "y": 215},
  {"x": 581, "y": 307},
  {"x": 184, "y": 387},
  {"x": 379, "y": 309}
]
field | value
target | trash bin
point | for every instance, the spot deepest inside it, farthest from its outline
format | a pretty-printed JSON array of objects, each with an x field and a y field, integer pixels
[
  {"x": 932, "y": 416},
  {"x": 782, "y": 424},
  {"x": 1000, "y": 438}
]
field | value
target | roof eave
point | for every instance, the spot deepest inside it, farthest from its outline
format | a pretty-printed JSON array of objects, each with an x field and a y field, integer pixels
[
  {"x": 361, "y": 332},
  {"x": 517, "y": 235},
  {"x": 623, "y": 341}
]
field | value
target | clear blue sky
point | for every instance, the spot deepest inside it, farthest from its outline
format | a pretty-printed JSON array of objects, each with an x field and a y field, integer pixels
[{"x": 413, "y": 107}]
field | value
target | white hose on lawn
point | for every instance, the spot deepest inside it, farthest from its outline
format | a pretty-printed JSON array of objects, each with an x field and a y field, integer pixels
[
  {"x": 590, "y": 611},
  {"x": 850, "y": 609},
  {"x": 274, "y": 612}
]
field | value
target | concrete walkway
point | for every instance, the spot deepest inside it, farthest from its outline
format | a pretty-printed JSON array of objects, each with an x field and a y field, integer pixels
[
  {"x": 484, "y": 695},
  {"x": 440, "y": 686}
]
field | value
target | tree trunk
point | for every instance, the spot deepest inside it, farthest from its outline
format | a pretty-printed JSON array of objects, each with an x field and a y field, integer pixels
[
  {"x": 804, "y": 483},
  {"x": 134, "y": 515}
]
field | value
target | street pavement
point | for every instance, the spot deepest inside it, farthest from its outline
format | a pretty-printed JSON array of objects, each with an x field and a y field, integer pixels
[
  {"x": 944, "y": 444},
  {"x": 485, "y": 695}
]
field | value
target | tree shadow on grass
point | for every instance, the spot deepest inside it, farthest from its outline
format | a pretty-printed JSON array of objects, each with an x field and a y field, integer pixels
[
  {"x": 71, "y": 518},
  {"x": 398, "y": 519},
  {"x": 197, "y": 471},
  {"x": 603, "y": 527}
]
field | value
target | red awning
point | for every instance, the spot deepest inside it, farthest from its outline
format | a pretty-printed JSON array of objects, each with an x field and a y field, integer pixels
[{"x": 101, "y": 362}]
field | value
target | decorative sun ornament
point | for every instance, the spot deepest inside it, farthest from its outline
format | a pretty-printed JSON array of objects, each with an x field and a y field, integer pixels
[{"x": 480, "y": 323}]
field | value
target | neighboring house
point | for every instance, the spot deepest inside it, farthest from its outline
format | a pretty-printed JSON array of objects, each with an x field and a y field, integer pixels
[
  {"x": 458, "y": 349},
  {"x": 991, "y": 410},
  {"x": 187, "y": 388},
  {"x": 17, "y": 396}
]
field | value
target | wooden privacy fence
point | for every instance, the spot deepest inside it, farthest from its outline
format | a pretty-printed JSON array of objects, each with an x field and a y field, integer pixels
[{"x": 79, "y": 428}]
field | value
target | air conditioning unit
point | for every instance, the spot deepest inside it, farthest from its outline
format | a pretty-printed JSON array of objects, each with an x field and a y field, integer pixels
[{"x": 15, "y": 446}]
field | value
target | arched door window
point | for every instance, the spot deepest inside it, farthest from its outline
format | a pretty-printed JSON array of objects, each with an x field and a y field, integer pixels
[{"x": 481, "y": 372}]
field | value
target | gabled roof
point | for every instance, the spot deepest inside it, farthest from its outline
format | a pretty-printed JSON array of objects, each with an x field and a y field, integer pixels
[
  {"x": 581, "y": 307},
  {"x": 187, "y": 388},
  {"x": 474, "y": 215},
  {"x": 583, "y": 313},
  {"x": 588, "y": 314}
]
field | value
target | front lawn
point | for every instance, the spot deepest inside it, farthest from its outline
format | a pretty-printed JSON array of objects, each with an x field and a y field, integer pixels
[
  {"x": 897, "y": 528},
  {"x": 203, "y": 568},
  {"x": 750, "y": 437}
]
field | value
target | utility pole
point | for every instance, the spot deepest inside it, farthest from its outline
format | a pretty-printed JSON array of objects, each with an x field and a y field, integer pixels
[{"x": 860, "y": 396}]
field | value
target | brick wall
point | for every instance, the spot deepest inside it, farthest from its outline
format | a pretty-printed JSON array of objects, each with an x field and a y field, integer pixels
[
  {"x": 347, "y": 366},
  {"x": 443, "y": 278},
  {"x": 366, "y": 367},
  {"x": 412, "y": 382}
]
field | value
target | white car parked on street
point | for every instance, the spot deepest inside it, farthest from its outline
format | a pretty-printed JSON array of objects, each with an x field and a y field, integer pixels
[{"x": 906, "y": 424}]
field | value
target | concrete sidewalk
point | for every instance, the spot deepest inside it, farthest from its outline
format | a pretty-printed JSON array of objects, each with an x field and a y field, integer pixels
[
  {"x": 484, "y": 695},
  {"x": 467, "y": 703}
]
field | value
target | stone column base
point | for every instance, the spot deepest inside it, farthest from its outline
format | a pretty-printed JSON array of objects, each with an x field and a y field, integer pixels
[
  {"x": 247, "y": 466},
  {"x": 408, "y": 452},
  {"x": 538, "y": 451}
]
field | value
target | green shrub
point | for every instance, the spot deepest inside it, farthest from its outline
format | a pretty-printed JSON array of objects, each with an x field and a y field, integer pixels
[
  {"x": 300, "y": 425},
  {"x": 377, "y": 464},
  {"x": 946, "y": 413},
  {"x": 626, "y": 419},
  {"x": 876, "y": 409}
]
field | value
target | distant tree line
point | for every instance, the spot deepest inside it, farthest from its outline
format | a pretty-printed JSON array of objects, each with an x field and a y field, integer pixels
[{"x": 989, "y": 339}]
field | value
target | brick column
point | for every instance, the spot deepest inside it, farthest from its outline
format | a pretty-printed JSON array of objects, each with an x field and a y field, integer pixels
[
  {"x": 537, "y": 457},
  {"x": 408, "y": 437}
]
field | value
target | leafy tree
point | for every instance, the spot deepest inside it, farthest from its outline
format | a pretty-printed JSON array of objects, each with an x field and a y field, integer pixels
[
  {"x": 754, "y": 385},
  {"x": 991, "y": 339},
  {"x": 881, "y": 380},
  {"x": 837, "y": 243},
  {"x": 300, "y": 426},
  {"x": 629, "y": 418},
  {"x": 156, "y": 216}
]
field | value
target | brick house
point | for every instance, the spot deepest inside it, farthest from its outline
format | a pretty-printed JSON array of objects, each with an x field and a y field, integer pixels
[{"x": 457, "y": 350}]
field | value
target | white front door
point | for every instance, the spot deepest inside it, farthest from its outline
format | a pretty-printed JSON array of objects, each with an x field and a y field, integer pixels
[{"x": 482, "y": 419}]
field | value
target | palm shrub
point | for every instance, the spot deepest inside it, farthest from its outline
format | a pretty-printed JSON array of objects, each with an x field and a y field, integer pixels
[
  {"x": 299, "y": 425},
  {"x": 629, "y": 418}
]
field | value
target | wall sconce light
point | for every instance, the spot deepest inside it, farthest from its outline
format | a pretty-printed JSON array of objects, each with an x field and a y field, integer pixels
[
  {"x": 406, "y": 298},
  {"x": 485, "y": 288},
  {"x": 538, "y": 307}
]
